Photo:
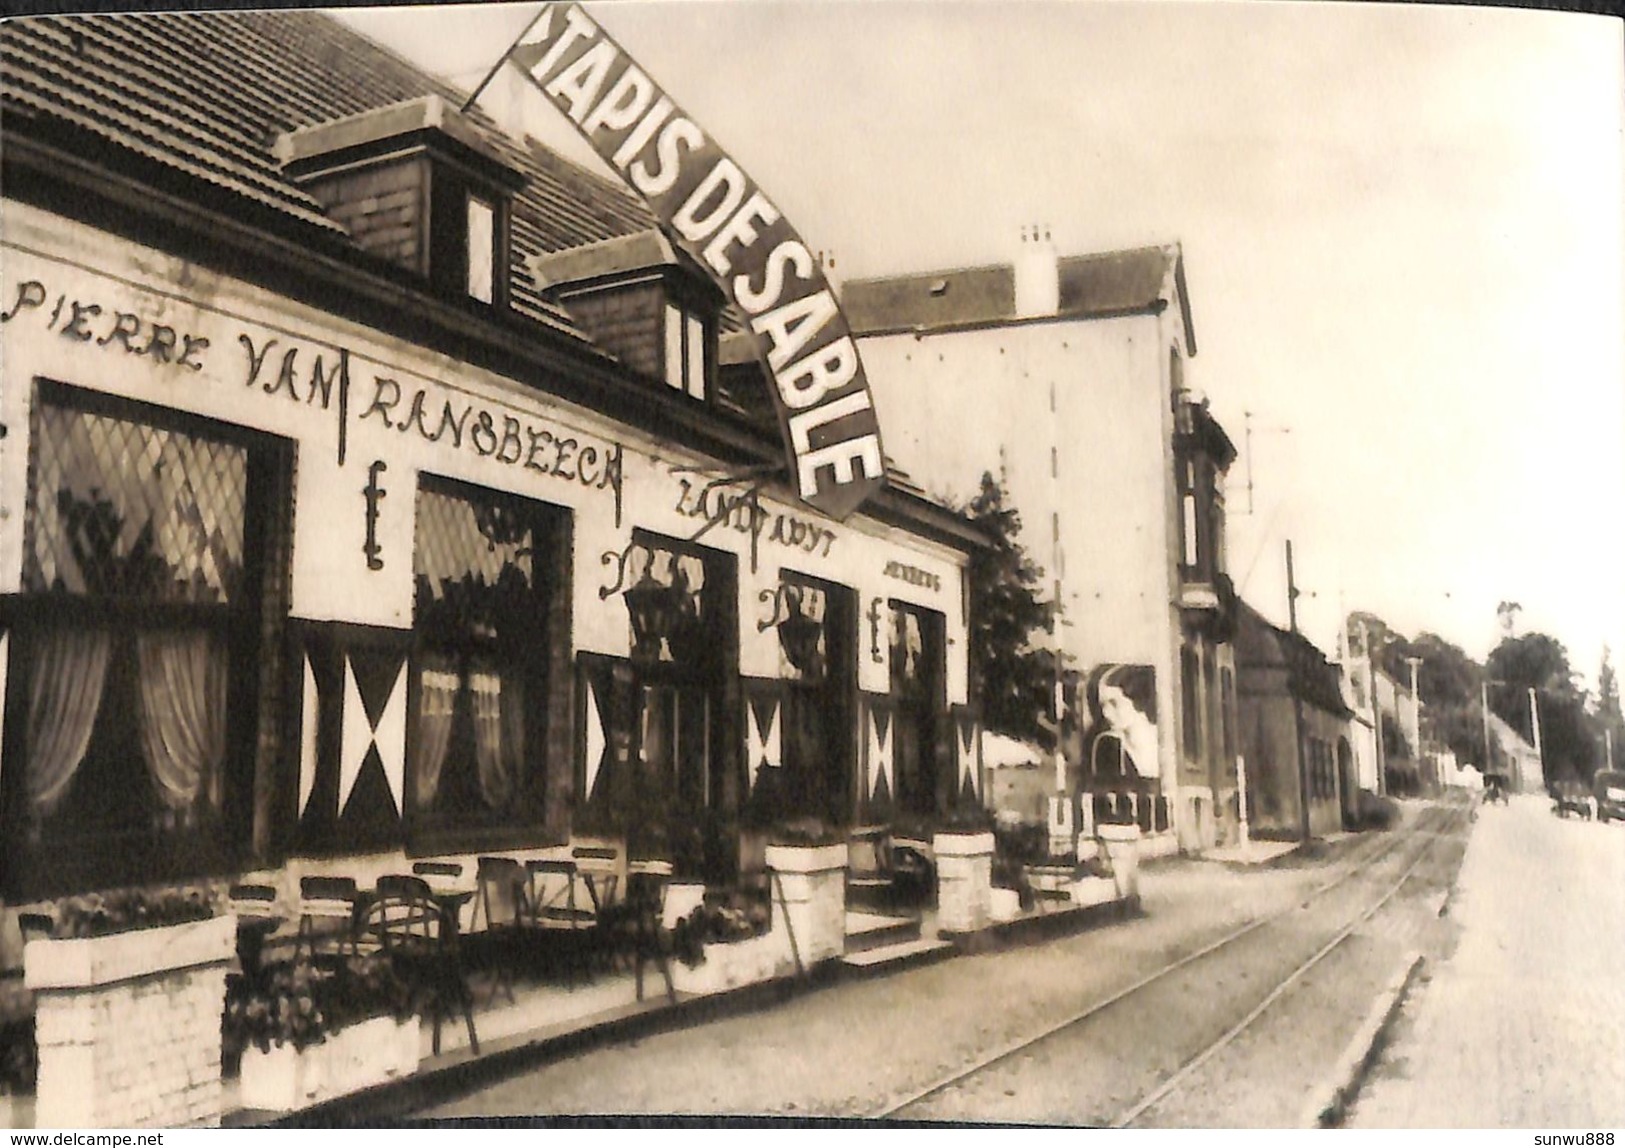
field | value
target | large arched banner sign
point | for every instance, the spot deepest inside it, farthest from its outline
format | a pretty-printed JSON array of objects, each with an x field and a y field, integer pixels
[{"x": 727, "y": 223}]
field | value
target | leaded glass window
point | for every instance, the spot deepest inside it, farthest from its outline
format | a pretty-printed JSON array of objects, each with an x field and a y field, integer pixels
[
  {"x": 481, "y": 565},
  {"x": 138, "y": 641}
]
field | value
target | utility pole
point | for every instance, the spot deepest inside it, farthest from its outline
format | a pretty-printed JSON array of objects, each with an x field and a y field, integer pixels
[
  {"x": 1534, "y": 723},
  {"x": 1416, "y": 715},
  {"x": 1297, "y": 702}
]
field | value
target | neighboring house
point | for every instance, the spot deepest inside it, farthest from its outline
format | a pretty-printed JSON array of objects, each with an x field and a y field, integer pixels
[
  {"x": 1295, "y": 732},
  {"x": 1512, "y": 755},
  {"x": 1360, "y": 697},
  {"x": 1067, "y": 377},
  {"x": 332, "y": 536}
]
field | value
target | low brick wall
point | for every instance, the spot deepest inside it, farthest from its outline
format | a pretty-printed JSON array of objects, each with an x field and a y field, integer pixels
[
  {"x": 128, "y": 1026},
  {"x": 812, "y": 882},
  {"x": 964, "y": 881}
]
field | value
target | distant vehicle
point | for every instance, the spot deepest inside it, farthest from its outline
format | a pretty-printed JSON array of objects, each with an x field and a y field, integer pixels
[
  {"x": 1571, "y": 797},
  {"x": 1495, "y": 788},
  {"x": 1608, "y": 787}
]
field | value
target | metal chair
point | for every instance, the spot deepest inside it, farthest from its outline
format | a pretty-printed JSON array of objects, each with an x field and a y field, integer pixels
[
  {"x": 555, "y": 907},
  {"x": 329, "y": 909},
  {"x": 602, "y": 864},
  {"x": 640, "y": 935},
  {"x": 438, "y": 873},
  {"x": 408, "y": 922},
  {"x": 254, "y": 906},
  {"x": 502, "y": 916}
]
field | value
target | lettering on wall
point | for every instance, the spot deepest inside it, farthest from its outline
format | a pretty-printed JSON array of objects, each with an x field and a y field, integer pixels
[
  {"x": 88, "y": 322},
  {"x": 320, "y": 377},
  {"x": 912, "y": 575},
  {"x": 503, "y": 437},
  {"x": 718, "y": 503}
]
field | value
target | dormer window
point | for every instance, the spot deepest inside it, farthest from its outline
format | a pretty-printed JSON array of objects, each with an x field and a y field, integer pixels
[
  {"x": 645, "y": 302},
  {"x": 482, "y": 235},
  {"x": 686, "y": 355},
  {"x": 415, "y": 184}
]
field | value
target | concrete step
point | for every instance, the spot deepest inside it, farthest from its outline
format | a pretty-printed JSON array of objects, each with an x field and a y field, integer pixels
[
  {"x": 870, "y": 894},
  {"x": 900, "y": 955},
  {"x": 873, "y": 930}
]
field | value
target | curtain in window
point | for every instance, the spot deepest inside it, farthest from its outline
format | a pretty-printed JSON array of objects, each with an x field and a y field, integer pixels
[
  {"x": 494, "y": 754},
  {"x": 69, "y": 671},
  {"x": 437, "y": 700},
  {"x": 183, "y": 715}
]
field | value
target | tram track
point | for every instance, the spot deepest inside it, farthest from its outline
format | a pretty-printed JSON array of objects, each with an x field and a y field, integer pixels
[{"x": 1431, "y": 827}]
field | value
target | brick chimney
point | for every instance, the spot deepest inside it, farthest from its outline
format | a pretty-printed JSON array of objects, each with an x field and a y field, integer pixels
[{"x": 1038, "y": 283}]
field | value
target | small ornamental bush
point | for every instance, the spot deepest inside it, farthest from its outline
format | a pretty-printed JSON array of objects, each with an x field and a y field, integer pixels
[
  {"x": 299, "y": 1003},
  {"x": 126, "y": 910}
]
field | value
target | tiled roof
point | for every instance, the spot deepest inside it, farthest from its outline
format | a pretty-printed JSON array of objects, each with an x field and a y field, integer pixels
[
  {"x": 1109, "y": 283},
  {"x": 207, "y": 94},
  {"x": 1311, "y": 675}
]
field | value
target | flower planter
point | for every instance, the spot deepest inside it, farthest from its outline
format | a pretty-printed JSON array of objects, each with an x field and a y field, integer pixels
[
  {"x": 1004, "y": 905},
  {"x": 355, "y": 1057},
  {"x": 682, "y": 898},
  {"x": 1088, "y": 891},
  {"x": 964, "y": 880},
  {"x": 733, "y": 964},
  {"x": 283, "y": 1077},
  {"x": 129, "y": 1025}
]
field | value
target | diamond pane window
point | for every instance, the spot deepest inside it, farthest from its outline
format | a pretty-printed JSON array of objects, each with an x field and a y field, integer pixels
[
  {"x": 128, "y": 510},
  {"x": 480, "y": 668}
]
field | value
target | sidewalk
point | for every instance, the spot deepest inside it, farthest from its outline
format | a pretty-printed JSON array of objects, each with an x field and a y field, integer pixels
[
  {"x": 1523, "y": 1024},
  {"x": 1253, "y": 853},
  {"x": 547, "y": 1021}
]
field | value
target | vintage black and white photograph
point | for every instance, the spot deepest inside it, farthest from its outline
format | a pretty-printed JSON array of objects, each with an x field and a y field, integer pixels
[{"x": 1037, "y": 563}]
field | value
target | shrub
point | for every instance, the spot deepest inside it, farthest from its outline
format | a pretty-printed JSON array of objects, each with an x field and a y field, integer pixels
[{"x": 1377, "y": 812}]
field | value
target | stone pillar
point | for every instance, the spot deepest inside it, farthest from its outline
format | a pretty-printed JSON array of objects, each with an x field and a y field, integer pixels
[
  {"x": 812, "y": 882},
  {"x": 1123, "y": 850},
  {"x": 964, "y": 881},
  {"x": 128, "y": 1026}
]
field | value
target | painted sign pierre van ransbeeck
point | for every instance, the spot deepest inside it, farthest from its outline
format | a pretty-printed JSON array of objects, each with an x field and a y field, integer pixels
[{"x": 727, "y": 223}]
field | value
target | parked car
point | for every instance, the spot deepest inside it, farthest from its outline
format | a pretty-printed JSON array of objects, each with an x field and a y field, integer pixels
[
  {"x": 1571, "y": 797},
  {"x": 1608, "y": 787}
]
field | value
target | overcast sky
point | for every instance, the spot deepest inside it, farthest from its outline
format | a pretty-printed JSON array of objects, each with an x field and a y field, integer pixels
[{"x": 1402, "y": 229}]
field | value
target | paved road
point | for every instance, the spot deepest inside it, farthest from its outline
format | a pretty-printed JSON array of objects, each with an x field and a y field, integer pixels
[
  {"x": 850, "y": 1049},
  {"x": 1523, "y": 1025}
]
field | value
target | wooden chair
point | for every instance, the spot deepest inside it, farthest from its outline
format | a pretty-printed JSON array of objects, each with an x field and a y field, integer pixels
[{"x": 409, "y": 923}]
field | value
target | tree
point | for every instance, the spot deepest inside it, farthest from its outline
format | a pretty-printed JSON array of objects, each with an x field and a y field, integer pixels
[
  {"x": 1569, "y": 736},
  {"x": 1608, "y": 709},
  {"x": 1016, "y": 678}
]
